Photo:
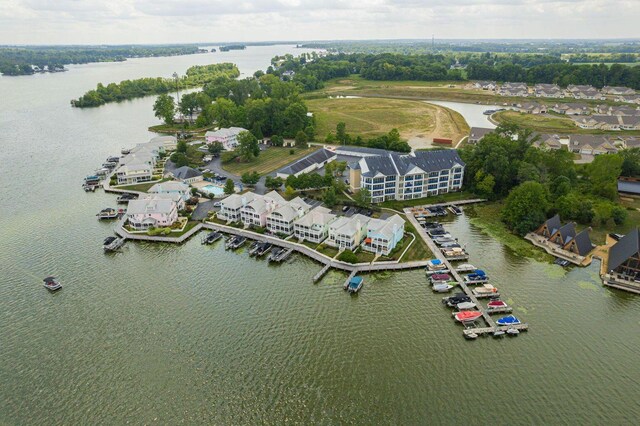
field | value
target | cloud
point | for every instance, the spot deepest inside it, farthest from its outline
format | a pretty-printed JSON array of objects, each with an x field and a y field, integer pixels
[{"x": 173, "y": 21}]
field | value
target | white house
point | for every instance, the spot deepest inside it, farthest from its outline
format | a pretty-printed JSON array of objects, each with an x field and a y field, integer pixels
[
  {"x": 230, "y": 207},
  {"x": 134, "y": 173},
  {"x": 175, "y": 197},
  {"x": 255, "y": 211},
  {"x": 281, "y": 220},
  {"x": 228, "y": 137},
  {"x": 171, "y": 187},
  {"x": 151, "y": 213},
  {"x": 314, "y": 226}
]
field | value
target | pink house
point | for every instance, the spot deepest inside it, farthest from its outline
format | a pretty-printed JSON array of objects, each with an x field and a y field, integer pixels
[{"x": 152, "y": 213}]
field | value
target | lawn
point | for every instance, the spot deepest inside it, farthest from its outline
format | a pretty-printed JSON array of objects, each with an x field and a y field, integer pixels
[
  {"x": 370, "y": 117},
  {"x": 599, "y": 232},
  {"x": 326, "y": 250},
  {"x": 417, "y": 251},
  {"x": 268, "y": 161},
  {"x": 141, "y": 187}
]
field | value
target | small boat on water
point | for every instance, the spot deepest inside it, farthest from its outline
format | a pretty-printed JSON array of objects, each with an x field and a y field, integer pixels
[
  {"x": 465, "y": 306},
  {"x": 112, "y": 243},
  {"x": 513, "y": 331},
  {"x": 126, "y": 197},
  {"x": 485, "y": 289},
  {"x": 355, "y": 284},
  {"x": 444, "y": 238},
  {"x": 496, "y": 304},
  {"x": 212, "y": 237},
  {"x": 450, "y": 245},
  {"x": 273, "y": 257},
  {"x": 253, "y": 248},
  {"x": 477, "y": 277},
  {"x": 108, "y": 213},
  {"x": 435, "y": 265},
  {"x": 498, "y": 333},
  {"x": 442, "y": 287},
  {"x": 508, "y": 320},
  {"x": 465, "y": 316},
  {"x": 442, "y": 271},
  {"x": 454, "y": 252},
  {"x": 440, "y": 278},
  {"x": 455, "y": 210},
  {"x": 89, "y": 188},
  {"x": 52, "y": 284},
  {"x": 235, "y": 242},
  {"x": 113, "y": 159},
  {"x": 471, "y": 336},
  {"x": 453, "y": 301},
  {"x": 465, "y": 267},
  {"x": 264, "y": 249}
]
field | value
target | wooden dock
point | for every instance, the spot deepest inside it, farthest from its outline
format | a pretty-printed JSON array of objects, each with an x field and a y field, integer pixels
[
  {"x": 486, "y": 313},
  {"x": 351, "y": 275},
  {"x": 317, "y": 277}
]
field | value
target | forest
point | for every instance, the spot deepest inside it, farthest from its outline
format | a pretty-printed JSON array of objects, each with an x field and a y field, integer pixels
[
  {"x": 196, "y": 76},
  {"x": 20, "y": 60}
]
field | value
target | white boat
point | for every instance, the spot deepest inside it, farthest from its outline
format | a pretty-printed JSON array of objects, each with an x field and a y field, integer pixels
[
  {"x": 441, "y": 271},
  {"x": 513, "y": 331},
  {"x": 471, "y": 336},
  {"x": 465, "y": 305},
  {"x": 465, "y": 267},
  {"x": 52, "y": 284},
  {"x": 498, "y": 333},
  {"x": 442, "y": 288},
  {"x": 435, "y": 265}
]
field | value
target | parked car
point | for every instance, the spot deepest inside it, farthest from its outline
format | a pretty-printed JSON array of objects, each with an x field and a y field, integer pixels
[
  {"x": 345, "y": 208},
  {"x": 217, "y": 204}
]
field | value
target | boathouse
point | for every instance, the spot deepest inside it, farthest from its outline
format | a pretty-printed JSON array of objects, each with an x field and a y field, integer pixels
[
  {"x": 550, "y": 227},
  {"x": 564, "y": 234}
]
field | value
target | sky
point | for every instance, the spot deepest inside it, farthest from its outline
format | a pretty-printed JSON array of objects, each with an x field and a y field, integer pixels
[{"x": 187, "y": 21}]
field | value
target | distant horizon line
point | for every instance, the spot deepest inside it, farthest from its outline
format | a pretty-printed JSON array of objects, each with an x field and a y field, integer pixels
[{"x": 274, "y": 42}]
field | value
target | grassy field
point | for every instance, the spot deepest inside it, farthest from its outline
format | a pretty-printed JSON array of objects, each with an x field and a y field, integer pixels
[
  {"x": 552, "y": 124},
  {"x": 373, "y": 117},
  {"x": 418, "y": 250},
  {"x": 269, "y": 160},
  {"x": 444, "y": 198},
  {"x": 142, "y": 187}
]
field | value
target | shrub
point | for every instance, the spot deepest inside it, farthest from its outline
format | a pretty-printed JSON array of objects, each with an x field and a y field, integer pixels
[{"x": 348, "y": 256}]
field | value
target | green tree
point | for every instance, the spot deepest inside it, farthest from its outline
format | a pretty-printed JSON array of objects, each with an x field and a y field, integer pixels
[
  {"x": 179, "y": 159},
  {"x": 526, "y": 207},
  {"x": 341, "y": 132},
  {"x": 248, "y": 148},
  {"x": 619, "y": 215},
  {"x": 484, "y": 184},
  {"x": 301, "y": 140},
  {"x": 330, "y": 198},
  {"x": 631, "y": 162},
  {"x": 164, "y": 108},
  {"x": 250, "y": 178},
  {"x": 181, "y": 147},
  {"x": 229, "y": 187},
  {"x": 277, "y": 140},
  {"x": 189, "y": 103},
  {"x": 289, "y": 193},
  {"x": 603, "y": 173},
  {"x": 362, "y": 198},
  {"x": 273, "y": 183},
  {"x": 560, "y": 186},
  {"x": 215, "y": 148}
]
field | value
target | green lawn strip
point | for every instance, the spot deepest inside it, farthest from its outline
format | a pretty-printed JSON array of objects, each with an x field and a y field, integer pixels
[
  {"x": 268, "y": 161},
  {"x": 444, "y": 198},
  {"x": 141, "y": 187}
]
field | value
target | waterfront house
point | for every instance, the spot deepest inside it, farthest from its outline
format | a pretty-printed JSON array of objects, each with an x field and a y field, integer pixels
[
  {"x": 314, "y": 161},
  {"x": 187, "y": 175},
  {"x": 134, "y": 173},
  {"x": 175, "y": 197},
  {"x": 623, "y": 264},
  {"x": 171, "y": 187},
  {"x": 548, "y": 228},
  {"x": 314, "y": 226},
  {"x": 139, "y": 156},
  {"x": 228, "y": 137},
  {"x": 617, "y": 90},
  {"x": 477, "y": 133},
  {"x": 384, "y": 234},
  {"x": 168, "y": 143},
  {"x": 580, "y": 244},
  {"x": 230, "y": 207},
  {"x": 255, "y": 211},
  {"x": 394, "y": 176},
  {"x": 564, "y": 234},
  {"x": 346, "y": 233},
  {"x": 281, "y": 220},
  {"x": 151, "y": 213}
]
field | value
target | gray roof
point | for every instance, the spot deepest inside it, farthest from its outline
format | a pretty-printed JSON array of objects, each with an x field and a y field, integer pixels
[
  {"x": 628, "y": 246},
  {"x": 316, "y": 157},
  {"x": 553, "y": 224},
  {"x": 583, "y": 242},
  {"x": 567, "y": 232},
  {"x": 394, "y": 164},
  {"x": 186, "y": 172},
  {"x": 478, "y": 133},
  {"x": 356, "y": 151}
]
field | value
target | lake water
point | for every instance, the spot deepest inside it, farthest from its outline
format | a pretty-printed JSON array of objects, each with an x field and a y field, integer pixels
[
  {"x": 472, "y": 113},
  {"x": 166, "y": 334}
]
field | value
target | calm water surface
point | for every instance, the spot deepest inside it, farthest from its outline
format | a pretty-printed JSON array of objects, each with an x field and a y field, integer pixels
[{"x": 168, "y": 334}]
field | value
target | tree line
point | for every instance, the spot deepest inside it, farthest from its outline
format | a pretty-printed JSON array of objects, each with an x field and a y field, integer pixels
[
  {"x": 538, "y": 183},
  {"x": 20, "y": 60},
  {"x": 195, "y": 76}
]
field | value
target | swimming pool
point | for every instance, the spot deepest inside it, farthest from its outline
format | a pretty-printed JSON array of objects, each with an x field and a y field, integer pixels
[{"x": 217, "y": 191}]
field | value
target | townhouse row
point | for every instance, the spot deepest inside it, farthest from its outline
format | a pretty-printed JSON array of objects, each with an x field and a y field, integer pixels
[{"x": 317, "y": 225}]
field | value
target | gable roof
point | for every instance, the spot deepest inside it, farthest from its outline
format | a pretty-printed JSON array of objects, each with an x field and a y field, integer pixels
[
  {"x": 186, "y": 172},
  {"x": 583, "y": 242},
  {"x": 226, "y": 132},
  {"x": 319, "y": 156},
  {"x": 553, "y": 224},
  {"x": 171, "y": 186},
  {"x": 479, "y": 132},
  {"x": 385, "y": 227},
  {"x": 150, "y": 206},
  {"x": 567, "y": 232},
  {"x": 318, "y": 216},
  {"x": 402, "y": 164},
  {"x": 626, "y": 247}
]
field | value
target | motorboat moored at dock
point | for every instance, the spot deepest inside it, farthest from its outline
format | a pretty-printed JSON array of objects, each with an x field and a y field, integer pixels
[
  {"x": 354, "y": 284},
  {"x": 465, "y": 316},
  {"x": 508, "y": 320}
]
